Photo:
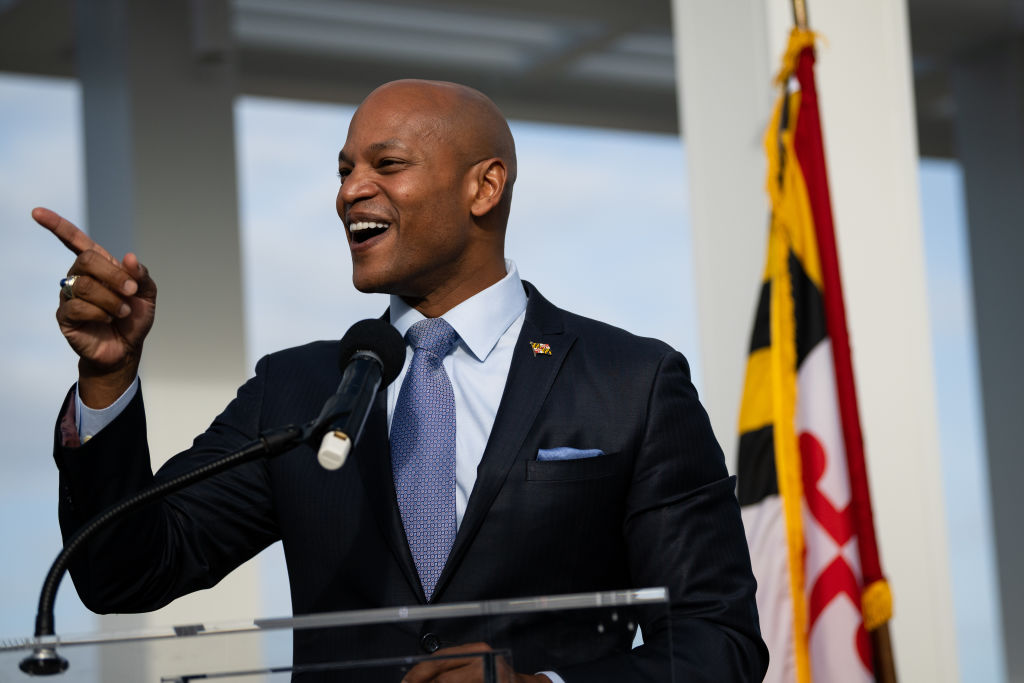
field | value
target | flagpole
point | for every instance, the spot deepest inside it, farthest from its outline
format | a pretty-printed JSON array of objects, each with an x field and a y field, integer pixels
[
  {"x": 884, "y": 661},
  {"x": 800, "y": 14}
]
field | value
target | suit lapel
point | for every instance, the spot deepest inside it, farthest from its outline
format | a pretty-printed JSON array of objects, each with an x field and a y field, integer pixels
[
  {"x": 375, "y": 468},
  {"x": 529, "y": 380}
]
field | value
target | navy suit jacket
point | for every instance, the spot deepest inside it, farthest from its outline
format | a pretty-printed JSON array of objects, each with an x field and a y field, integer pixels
[{"x": 657, "y": 509}]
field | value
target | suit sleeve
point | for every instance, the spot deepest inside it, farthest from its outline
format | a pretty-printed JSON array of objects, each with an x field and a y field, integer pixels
[
  {"x": 191, "y": 539},
  {"x": 683, "y": 531}
]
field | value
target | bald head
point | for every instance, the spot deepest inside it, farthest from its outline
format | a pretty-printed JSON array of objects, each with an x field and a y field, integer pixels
[{"x": 463, "y": 118}]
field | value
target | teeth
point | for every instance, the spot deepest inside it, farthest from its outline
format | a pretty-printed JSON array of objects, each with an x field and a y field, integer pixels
[{"x": 367, "y": 225}]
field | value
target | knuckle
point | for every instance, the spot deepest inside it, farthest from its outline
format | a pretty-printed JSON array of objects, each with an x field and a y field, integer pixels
[
  {"x": 88, "y": 290},
  {"x": 82, "y": 286},
  {"x": 82, "y": 311},
  {"x": 72, "y": 310},
  {"x": 87, "y": 257}
]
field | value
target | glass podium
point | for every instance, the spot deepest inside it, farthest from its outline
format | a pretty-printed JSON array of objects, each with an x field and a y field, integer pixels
[{"x": 379, "y": 645}]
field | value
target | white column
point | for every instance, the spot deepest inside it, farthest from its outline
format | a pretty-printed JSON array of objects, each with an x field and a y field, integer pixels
[
  {"x": 723, "y": 67},
  {"x": 726, "y": 54},
  {"x": 989, "y": 91},
  {"x": 157, "y": 84}
]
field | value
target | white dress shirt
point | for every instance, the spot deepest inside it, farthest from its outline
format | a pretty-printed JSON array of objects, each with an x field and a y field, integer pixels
[{"x": 488, "y": 324}]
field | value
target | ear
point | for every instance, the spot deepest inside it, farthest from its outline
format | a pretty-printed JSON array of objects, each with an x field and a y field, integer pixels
[{"x": 489, "y": 186}]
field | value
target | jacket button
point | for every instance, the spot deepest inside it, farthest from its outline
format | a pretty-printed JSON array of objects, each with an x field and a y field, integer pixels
[{"x": 430, "y": 643}]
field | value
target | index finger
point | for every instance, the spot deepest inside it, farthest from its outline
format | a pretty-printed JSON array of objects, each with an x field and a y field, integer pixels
[{"x": 67, "y": 232}]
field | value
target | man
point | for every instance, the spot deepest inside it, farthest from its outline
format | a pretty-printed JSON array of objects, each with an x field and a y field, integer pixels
[{"x": 558, "y": 454}]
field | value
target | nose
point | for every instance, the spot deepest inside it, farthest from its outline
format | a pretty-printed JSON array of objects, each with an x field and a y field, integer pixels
[{"x": 356, "y": 185}]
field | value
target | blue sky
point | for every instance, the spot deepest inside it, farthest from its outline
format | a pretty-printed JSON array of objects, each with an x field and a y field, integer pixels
[{"x": 563, "y": 235}]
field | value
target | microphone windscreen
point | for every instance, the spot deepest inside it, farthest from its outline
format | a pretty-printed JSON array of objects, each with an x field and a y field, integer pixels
[{"x": 379, "y": 337}]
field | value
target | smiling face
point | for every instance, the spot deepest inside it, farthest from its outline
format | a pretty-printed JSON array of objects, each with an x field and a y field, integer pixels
[{"x": 412, "y": 175}]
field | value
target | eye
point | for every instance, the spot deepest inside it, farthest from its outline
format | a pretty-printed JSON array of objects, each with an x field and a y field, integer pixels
[
  {"x": 343, "y": 173},
  {"x": 388, "y": 164}
]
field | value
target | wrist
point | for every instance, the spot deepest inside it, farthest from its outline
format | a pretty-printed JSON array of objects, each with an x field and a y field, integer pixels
[{"x": 98, "y": 388}]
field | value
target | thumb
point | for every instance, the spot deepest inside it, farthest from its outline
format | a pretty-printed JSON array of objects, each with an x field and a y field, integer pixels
[{"x": 139, "y": 272}]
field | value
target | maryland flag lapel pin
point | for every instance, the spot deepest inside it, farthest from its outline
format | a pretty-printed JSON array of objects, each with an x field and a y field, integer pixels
[{"x": 540, "y": 349}]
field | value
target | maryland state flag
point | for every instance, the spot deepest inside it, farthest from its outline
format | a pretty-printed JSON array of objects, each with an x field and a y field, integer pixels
[{"x": 802, "y": 481}]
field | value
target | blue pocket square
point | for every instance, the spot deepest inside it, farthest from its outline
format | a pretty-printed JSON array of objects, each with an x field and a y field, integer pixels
[{"x": 566, "y": 453}]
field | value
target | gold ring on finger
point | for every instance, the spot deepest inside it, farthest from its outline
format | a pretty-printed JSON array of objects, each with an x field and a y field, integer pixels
[{"x": 66, "y": 285}]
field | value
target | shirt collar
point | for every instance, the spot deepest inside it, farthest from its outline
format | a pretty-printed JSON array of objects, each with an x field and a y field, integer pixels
[{"x": 481, "y": 319}]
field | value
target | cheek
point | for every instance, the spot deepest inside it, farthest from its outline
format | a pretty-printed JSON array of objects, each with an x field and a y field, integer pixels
[{"x": 432, "y": 216}]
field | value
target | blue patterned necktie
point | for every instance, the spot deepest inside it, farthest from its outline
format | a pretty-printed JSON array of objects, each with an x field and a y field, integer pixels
[{"x": 423, "y": 450}]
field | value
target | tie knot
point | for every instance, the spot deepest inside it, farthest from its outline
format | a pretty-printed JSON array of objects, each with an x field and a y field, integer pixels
[{"x": 434, "y": 335}]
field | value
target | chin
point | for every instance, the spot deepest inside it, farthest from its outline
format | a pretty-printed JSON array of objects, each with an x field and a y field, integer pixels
[
  {"x": 367, "y": 286},
  {"x": 372, "y": 283}
]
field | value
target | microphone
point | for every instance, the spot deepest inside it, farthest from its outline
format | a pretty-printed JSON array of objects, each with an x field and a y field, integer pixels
[{"x": 372, "y": 355}]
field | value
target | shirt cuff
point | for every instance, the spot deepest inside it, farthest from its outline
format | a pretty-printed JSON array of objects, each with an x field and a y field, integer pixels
[
  {"x": 90, "y": 420},
  {"x": 555, "y": 678}
]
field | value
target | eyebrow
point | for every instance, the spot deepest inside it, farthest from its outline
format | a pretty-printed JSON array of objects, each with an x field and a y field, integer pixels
[{"x": 376, "y": 147}]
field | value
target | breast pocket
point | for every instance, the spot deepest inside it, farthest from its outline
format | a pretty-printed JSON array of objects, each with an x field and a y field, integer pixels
[{"x": 581, "y": 469}]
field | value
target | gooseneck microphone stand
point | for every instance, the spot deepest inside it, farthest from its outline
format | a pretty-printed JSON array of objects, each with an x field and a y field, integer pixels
[{"x": 44, "y": 660}]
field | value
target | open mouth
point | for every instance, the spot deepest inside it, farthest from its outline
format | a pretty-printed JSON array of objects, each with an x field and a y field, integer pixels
[{"x": 365, "y": 230}]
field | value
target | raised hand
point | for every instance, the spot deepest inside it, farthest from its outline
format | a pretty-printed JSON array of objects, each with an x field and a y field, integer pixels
[{"x": 108, "y": 316}]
